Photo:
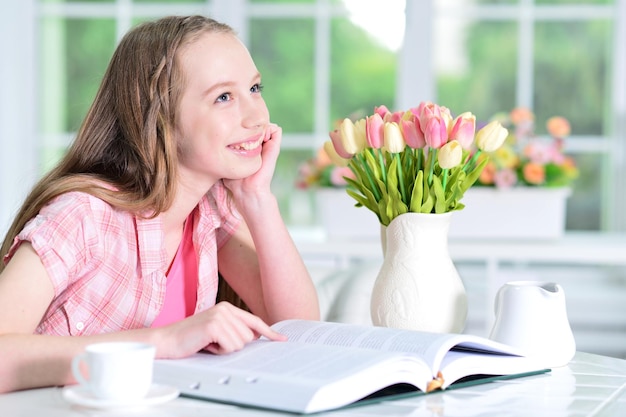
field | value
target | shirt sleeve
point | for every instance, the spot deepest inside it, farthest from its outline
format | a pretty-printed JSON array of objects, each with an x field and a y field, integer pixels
[{"x": 64, "y": 237}]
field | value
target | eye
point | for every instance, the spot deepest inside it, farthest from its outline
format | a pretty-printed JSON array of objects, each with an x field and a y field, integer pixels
[
  {"x": 256, "y": 88},
  {"x": 223, "y": 97}
]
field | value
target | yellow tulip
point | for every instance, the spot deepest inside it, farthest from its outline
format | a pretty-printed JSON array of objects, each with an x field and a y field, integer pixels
[
  {"x": 360, "y": 134},
  {"x": 491, "y": 137},
  {"x": 450, "y": 154},
  {"x": 394, "y": 142},
  {"x": 334, "y": 156},
  {"x": 349, "y": 136}
]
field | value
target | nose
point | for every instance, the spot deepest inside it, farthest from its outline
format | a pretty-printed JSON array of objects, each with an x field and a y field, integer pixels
[{"x": 255, "y": 112}]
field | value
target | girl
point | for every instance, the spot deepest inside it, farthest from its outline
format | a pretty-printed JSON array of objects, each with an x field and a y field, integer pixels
[{"x": 167, "y": 184}]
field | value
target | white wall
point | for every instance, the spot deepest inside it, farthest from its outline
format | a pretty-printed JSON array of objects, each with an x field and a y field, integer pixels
[{"x": 18, "y": 163}]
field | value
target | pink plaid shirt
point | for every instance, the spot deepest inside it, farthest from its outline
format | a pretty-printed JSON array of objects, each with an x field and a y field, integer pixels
[{"x": 108, "y": 266}]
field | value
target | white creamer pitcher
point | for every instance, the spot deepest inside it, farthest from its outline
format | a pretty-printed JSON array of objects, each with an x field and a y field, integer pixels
[{"x": 532, "y": 316}]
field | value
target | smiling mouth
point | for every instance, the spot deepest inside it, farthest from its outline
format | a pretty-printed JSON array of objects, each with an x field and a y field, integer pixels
[{"x": 247, "y": 146}]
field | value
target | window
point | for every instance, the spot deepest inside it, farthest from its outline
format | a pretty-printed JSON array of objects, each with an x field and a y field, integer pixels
[{"x": 323, "y": 60}]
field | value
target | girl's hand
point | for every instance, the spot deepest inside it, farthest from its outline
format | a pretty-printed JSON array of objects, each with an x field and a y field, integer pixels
[
  {"x": 221, "y": 329},
  {"x": 260, "y": 181}
]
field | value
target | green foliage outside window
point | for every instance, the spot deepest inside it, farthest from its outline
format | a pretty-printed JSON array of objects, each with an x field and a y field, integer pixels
[{"x": 571, "y": 61}]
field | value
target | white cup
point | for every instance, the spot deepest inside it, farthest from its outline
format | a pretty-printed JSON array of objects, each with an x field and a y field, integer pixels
[{"x": 117, "y": 371}]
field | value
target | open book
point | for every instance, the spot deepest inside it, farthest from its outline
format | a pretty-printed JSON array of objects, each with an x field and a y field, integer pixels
[{"x": 328, "y": 365}]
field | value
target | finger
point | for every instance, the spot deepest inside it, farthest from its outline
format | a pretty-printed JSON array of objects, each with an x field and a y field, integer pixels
[
  {"x": 262, "y": 329},
  {"x": 257, "y": 325},
  {"x": 272, "y": 131}
]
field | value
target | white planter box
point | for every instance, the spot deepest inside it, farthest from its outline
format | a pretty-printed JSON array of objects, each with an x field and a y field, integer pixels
[
  {"x": 516, "y": 213},
  {"x": 341, "y": 219},
  {"x": 489, "y": 213}
]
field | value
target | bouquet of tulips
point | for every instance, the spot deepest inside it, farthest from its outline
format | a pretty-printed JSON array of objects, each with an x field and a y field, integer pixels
[{"x": 421, "y": 160}]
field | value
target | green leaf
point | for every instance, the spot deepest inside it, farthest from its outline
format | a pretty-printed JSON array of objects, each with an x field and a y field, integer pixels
[
  {"x": 472, "y": 177},
  {"x": 416, "y": 195},
  {"x": 428, "y": 199},
  {"x": 440, "y": 196}
]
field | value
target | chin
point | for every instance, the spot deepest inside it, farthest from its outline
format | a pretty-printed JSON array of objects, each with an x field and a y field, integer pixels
[{"x": 245, "y": 172}]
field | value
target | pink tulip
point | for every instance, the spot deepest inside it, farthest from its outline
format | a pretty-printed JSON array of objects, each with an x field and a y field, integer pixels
[
  {"x": 435, "y": 132},
  {"x": 395, "y": 117},
  {"x": 337, "y": 159},
  {"x": 335, "y": 137},
  {"x": 447, "y": 116},
  {"x": 381, "y": 110},
  {"x": 426, "y": 110},
  {"x": 463, "y": 129},
  {"x": 374, "y": 131},
  {"x": 413, "y": 134},
  {"x": 416, "y": 111}
]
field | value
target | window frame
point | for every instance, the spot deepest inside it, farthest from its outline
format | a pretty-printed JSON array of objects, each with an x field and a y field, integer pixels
[{"x": 19, "y": 36}]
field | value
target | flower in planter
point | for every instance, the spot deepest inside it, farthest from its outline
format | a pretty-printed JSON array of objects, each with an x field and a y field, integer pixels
[
  {"x": 526, "y": 159},
  {"x": 421, "y": 160},
  {"x": 320, "y": 171}
]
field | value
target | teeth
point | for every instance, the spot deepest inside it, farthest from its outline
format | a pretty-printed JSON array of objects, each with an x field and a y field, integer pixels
[{"x": 248, "y": 145}]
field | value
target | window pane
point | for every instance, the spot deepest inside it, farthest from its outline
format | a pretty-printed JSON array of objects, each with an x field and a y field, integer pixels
[
  {"x": 283, "y": 52},
  {"x": 583, "y": 206},
  {"x": 74, "y": 54},
  {"x": 572, "y": 63},
  {"x": 363, "y": 72},
  {"x": 476, "y": 65},
  {"x": 295, "y": 205}
]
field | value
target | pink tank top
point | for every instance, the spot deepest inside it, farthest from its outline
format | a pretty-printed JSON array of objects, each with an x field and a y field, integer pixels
[{"x": 182, "y": 281}]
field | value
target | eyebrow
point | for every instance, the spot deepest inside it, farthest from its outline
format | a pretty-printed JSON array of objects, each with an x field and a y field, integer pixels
[{"x": 226, "y": 84}]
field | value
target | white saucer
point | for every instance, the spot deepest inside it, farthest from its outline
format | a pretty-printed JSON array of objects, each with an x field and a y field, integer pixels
[{"x": 158, "y": 394}]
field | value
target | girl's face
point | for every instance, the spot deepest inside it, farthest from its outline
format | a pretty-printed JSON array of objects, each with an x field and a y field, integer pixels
[{"x": 222, "y": 115}]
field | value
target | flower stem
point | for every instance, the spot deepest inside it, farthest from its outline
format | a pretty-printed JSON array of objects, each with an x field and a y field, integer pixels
[
  {"x": 368, "y": 172},
  {"x": 401, "y": 180},
  {"x": 470, "y": 164},
  {"x": 432, "y": 156},
  {"x": 420, "y": 157}
]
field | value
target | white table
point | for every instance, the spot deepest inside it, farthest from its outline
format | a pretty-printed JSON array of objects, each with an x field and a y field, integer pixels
[{"x": 590, "y": 385}]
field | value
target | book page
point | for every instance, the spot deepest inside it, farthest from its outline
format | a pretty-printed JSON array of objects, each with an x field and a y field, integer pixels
[
  {"x": 431, "y": 347},
  {"x": 292, "y": 375},
  {"x": 294, "y": 359},
  {"x": 458, "y": 364}
]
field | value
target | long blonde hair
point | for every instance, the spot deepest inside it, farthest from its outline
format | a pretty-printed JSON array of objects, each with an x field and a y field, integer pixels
[{"x": 124, "y": 152}]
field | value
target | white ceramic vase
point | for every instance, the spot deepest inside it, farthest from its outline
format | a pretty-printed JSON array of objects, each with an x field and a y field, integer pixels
[{"x": 418, "y": 286}]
